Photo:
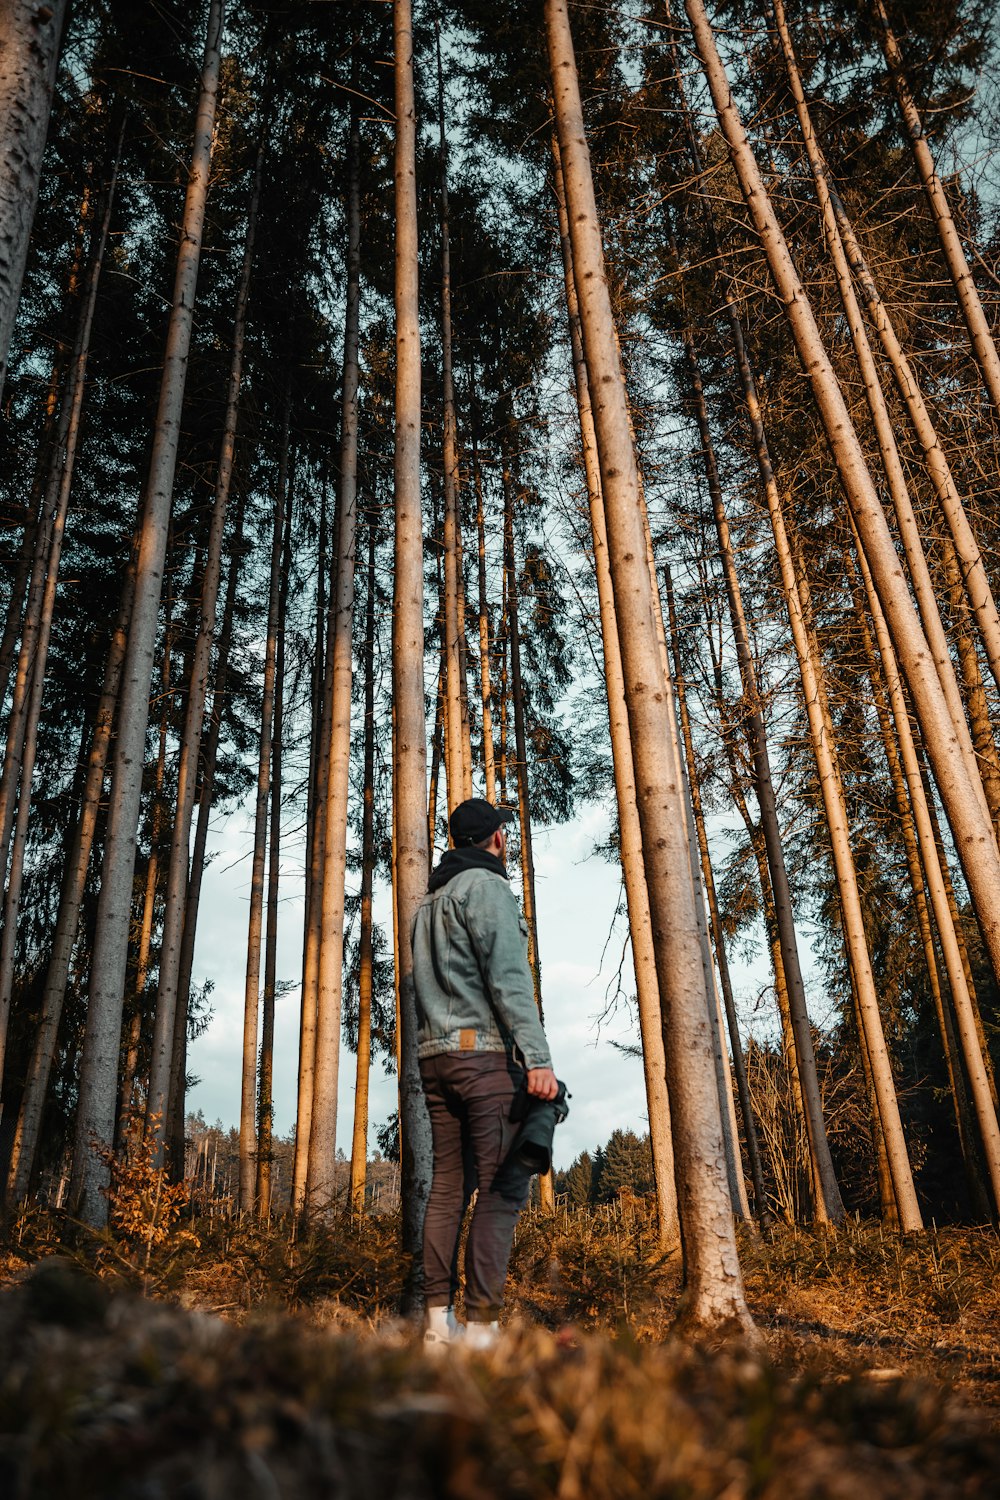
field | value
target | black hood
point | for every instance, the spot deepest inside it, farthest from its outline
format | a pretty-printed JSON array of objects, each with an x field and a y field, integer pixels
[{"x": 457, "y": 861}]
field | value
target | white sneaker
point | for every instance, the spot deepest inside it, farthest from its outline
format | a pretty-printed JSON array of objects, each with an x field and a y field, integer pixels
[
  {"x": 440, "y": 1329},
  {"x": 481, "y": 1335}
]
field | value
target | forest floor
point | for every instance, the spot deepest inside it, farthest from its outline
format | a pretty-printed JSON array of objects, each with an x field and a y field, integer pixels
[{"x": 240, "y": 1360}]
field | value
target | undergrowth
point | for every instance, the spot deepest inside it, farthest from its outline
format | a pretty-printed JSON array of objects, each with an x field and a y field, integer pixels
[
  {"x": 304, "y": 1379},
  {"x": 106, "y": 1394},
  {"x": 927, "y": 1303}
]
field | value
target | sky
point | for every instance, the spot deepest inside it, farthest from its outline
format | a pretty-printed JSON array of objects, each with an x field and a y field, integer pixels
[{"x": 578, "y": 895}]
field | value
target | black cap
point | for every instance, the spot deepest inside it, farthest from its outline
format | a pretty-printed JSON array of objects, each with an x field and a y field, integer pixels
[{"x": 475, "y": 819}]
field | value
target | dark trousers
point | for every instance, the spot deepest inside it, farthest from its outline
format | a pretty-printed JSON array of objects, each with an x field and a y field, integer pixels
[{"x": 469, "y": 1096}]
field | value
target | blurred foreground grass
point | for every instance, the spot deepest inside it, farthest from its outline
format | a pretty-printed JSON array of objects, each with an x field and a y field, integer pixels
[{"x": 264, "y": 1362}]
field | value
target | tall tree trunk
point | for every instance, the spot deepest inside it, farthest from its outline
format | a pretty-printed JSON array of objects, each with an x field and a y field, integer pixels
[
  {"x": 458, "y": 752},
  {"x": 251, "y": 996},
  {"x": 545, "y": 1185},
  {"x": 129, "y": 1094},
  {"x": 520, "y": 735},
  {"x": 980, "y": 336},
  {"x": 73, "y": 399},
  {"x": 957, "y": 922},
  {"x": 437, "y": 755},
  {"x": 755, "y": 834},
  {"x": 210, "y": 752},
  {"x": 714, "y": 1296},
  {"x": 504, "y": 691},
  {"x": 883, "y": 1171},
  {"x": 167, "y": 997},
  {"x": 95, "y": 1109},
  {"x": 321, "y": 1188},
  {"x": 723, "y": 1070},
  {"x": 739, "y": 1062},
  {"x": 970, "y": 825},
  {"x": 410, "y": 747},
  {"x": 974, "y": 576},
  {"x": 980, "y": 726},
  {"x": 909, "y": 531},
  {"x": 630, "y": 839},
  {"x": 485, "y": 645},
  {"x": 31, "y": 35},
  {"x": 313, "y": 926},
  {"x": 827, "y": 1203},
  {"x": 720, "y": 1057},
  {"x": 359, "y": 1143},
  {"x": 822, "y": 735},
  {"x": 265, "y": 1087},
  {"x": 894, "y": 731},
  {"x": 70, "y": 900},
  {"x": 945, "y": 913},
  {"x": 439, "y": 734}
]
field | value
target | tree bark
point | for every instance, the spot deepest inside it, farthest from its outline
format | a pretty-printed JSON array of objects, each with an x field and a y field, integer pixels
[
  {"x": 894, "y": 731},
  {"x": 980, "y": 337},
  {"x": 630, "y": 839},
  {"x": 321, "y": 1188},
  {"x": 215, "y": 718},
  {"x": 970, "y": 826},
  {"x": 485, "y": 646},
  {"x": 313, "y": 927},
  {"x": 410, "y": 755},
  {"x": 520, "y": 734},
  {"x": 974, "y": 575},
  {"x": 545, "y": 1184},
  {"x": 755, "y": 834},
  {"x": 720, "y": 1057},
  {"x": 821, "y": 732},
  {"x": 31, "y": 35},
  {"x": 437, "y": 754},
  {"x": 265, "y": 1086},
  {"x": 249, "y": 1144},
  {"x": 167, "y": 995},
  {"x": 458, "y": 752},
  {"x": 359, "y": 1144},
  {"x": 827, "y": 1203},
  {"x": 714, "y": 1298},
  {"x": 739, "y": 1061},
  {"x": 95, "y": 1110},
  {"x": 981, "y": 729},
  {"x": 945, "y": 915},
  {"x": 957, "y": 921},
  {"x": 128, "y": 1095},
  {"x": 909, "y": 531}
]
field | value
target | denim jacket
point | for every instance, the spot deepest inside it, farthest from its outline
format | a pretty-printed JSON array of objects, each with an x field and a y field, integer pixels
[{"x": 474, "y": 988}]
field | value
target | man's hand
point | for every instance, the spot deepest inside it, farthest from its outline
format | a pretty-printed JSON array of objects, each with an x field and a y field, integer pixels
[{"x": 542, "y": 1083}]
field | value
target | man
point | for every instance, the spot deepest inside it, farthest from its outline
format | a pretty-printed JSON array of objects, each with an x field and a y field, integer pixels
[{"x": 480, "y": 1041}]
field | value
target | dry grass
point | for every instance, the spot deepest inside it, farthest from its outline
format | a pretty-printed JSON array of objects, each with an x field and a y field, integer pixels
[
  {"x": 307, "y": 1383},
  {"x": 926, "y": 1304}
]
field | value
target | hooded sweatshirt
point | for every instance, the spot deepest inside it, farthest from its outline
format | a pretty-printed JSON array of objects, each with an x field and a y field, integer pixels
[{"x": 474, "y": 989}]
